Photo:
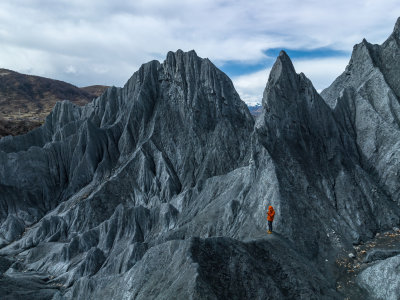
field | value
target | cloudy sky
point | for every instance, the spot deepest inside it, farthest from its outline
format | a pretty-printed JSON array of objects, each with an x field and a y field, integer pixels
[{"x": 88, "y": 42}]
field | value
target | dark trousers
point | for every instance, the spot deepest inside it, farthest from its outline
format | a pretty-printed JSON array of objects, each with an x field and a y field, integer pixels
[{"x": 270, "y": 225}]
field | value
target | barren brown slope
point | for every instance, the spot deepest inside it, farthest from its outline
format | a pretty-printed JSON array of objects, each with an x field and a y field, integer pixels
[
  {"x": 95, "y": 90},
  {"x": 26, "y": 100},
  {"x": 17, "y": 127}
]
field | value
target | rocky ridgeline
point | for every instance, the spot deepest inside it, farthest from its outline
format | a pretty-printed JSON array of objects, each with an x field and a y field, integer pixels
[{"x": 158, "y": 189}]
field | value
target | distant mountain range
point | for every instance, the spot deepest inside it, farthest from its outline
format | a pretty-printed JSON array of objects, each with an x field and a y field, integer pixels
[
  {"x": 26, "y": 100},
  {"x": 255, "y": 110}
]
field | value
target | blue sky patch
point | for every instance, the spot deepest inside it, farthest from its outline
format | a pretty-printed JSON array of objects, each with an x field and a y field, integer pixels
[
  {"x": 307, "y": 53},
  {"x": 236, "y": 68}
]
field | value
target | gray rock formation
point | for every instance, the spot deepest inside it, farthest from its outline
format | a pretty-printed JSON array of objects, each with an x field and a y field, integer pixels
[
  {"x": 212, "y": 268},
  {"x": 380, "y": 254},
  {"x": 367, "y": 99},
  {"x": 382, "y": 280},
  {"x": 115, "y": 184},
  {"x": 317, "y": 167},
  {"x": 158, "y": 189}
]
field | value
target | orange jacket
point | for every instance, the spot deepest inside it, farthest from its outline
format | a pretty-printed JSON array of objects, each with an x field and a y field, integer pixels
[{"x": 271, "y": 213}]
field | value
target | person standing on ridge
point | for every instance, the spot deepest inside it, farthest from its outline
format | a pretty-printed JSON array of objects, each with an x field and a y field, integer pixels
[{"x": 270, "y": 218}]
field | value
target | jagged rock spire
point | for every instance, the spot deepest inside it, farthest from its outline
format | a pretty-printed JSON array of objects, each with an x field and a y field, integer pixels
[
  {"x": 282, "y": 69},
  {"x": 396, "y": 30},
  {"x": 282, "y": 80}
]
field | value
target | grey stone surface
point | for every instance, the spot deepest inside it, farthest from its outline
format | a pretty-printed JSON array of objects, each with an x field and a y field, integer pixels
[
  {"x": 382, "y": 280},
  {"x": 159, "y": 189},
  {"x": 4, "y": 264},
  {"x": 317, "y": 167},
  {"x": 367, "y": 96},
  {"x": 380, "y": 254},
  {"x": 215, "y": 268}
]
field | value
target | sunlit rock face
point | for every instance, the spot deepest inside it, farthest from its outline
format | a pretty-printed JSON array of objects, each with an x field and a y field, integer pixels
[{"x": 366, "y": 98}]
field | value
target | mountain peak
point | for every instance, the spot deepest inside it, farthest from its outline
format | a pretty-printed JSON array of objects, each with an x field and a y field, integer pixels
[
  {"x": 180, "y": 60},
  {"x": 283, "y": 53},
  {"x": 282, "y": 69},
  {"x": 396, "y": 30},
  {"x": 285, "y": 59},
  {"x": 180, "y": 53}
]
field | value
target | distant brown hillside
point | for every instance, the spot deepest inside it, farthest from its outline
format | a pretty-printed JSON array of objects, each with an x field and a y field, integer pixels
[
  {"x": 95, "y": 90},
  {"x": 26, "y": 100},
  {"x": 17, "y": 127}
]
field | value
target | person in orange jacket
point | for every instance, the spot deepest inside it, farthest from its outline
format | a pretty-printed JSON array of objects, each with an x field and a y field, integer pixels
[{"x": 270, "y": 218}]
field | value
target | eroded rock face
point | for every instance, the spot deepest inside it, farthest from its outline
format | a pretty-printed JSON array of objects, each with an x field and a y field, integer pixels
[
  {"x": 159, "y": 189},
  {"x": 366, "y": 98},
  {"x": 215, "y": 268},
  {"x": 382, "y": 280},
  {"x": 173, "y": 125},
  {"x": 318, "y": 167}
]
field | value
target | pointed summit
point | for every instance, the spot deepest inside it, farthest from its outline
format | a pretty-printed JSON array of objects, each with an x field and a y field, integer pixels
[
  {"x": 282, "y": 87},
  {"x": 283, "y": 69},
  {"x": 284, "y": 57},
  {"x": 396, "y": 30},
  {"x": 382, "y": 60},
  {"x": 180, "y": 57}
]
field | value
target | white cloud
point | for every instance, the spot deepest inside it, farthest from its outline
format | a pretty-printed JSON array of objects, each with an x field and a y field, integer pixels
[
  {"x": 71, "y": 70},
  {"x": 250, "y": 87},
  {"x": 109, "y": 40},
  {"x": 321, "y": 72}
]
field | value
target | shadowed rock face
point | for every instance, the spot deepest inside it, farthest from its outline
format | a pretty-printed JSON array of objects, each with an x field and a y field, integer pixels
[
  {"x": 366, "y": 101},
  {"x": 317, "y": 167},
  {"x": 158, "y": 190},
  {"x": 215, "y": 268}
]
